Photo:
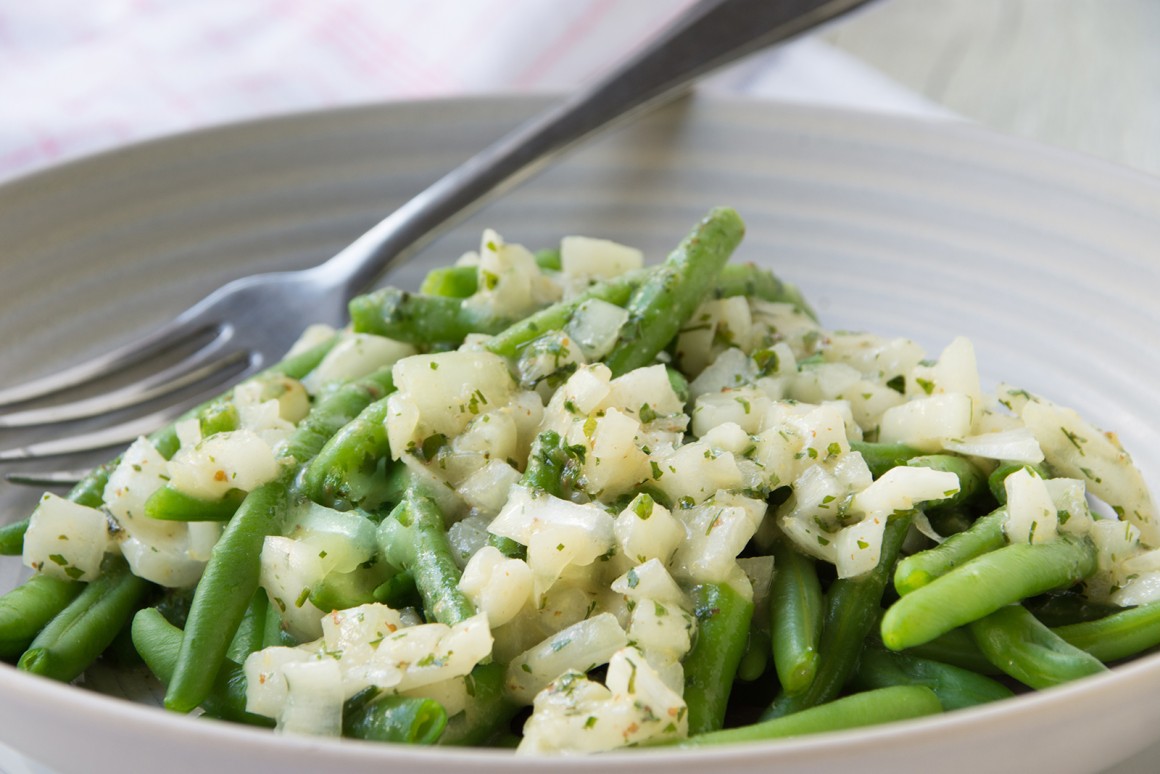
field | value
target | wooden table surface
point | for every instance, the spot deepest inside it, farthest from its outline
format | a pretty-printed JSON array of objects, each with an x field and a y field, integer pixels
[{"x": 1081, "y": 74}]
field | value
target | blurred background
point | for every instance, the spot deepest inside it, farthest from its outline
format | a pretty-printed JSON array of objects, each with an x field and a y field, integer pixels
[{"x": 78, "y": 77}]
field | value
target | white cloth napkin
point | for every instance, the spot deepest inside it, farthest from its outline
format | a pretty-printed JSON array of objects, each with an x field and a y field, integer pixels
[{"x": 80, "y": 77}]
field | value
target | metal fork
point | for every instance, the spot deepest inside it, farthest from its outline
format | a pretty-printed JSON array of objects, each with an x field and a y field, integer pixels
[{"x": 252, "y": 321}]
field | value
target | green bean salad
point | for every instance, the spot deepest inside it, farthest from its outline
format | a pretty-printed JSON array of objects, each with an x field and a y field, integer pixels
[{"x": 567, "y": 502}]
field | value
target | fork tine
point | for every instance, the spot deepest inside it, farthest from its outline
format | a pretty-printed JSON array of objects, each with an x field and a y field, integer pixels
[
  {"x": 192, "y": 370},
  {"x": 114, "y": 435},
  {"x": 133, "y": 353},
  {"x": 48, "y": 478}
]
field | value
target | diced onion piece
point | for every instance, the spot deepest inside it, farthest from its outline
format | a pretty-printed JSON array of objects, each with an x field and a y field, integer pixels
[
  {"x": 313, "y": 335},
  {"x": 342, "y": 540},
  {"x": 486, "y": 489},
  {"x": 581, "y": 647},
  {"x": 877, "y": 358},
  {"x": 140, "y": 473},
  {"x": 648, "y": 386},
  {"x": 650, "y": 580},
  {"x": 1073, "y": 447},
  {"x": 613, "y": 463},
  {"x": 595, "y": 327},
  {"x": 166, "y": 563},
  {"x": 646, "y": 530},
  {"x": 289, "y": 569},
  {"x": 575, "y": 715},
  {"x": 510, "y": 281},
  {"x": 354, "y": 356},
  {"x": 528, "y": 512},
  {"x": 445, "y": 390},
  {"x": 1070, "y": 499},
  {"x": 715, "y": 533},
  {"x": 823, "y": 382},
  {"x": 928, "y": 423},
  {"x": 266, "y": 687},
  {"x": 235, "y": 459},
  {"x": 66, "y": 539},
  {"x": 696, "y": 471},
  {"x": 858, "y": 546},
  {"x": 744, "y": 407},
  {"x": 1016, "y": 445},
  {"x": 314, "y": 698},
  {"x": 582, "y": 256},
  {"x": 1031, "y": 514},
  {"x": 728, "y": 371},
  {"x": 496, "y": 585}
]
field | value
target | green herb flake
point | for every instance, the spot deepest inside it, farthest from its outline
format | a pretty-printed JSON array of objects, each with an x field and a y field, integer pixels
[{"x": 1075, "y": 440}]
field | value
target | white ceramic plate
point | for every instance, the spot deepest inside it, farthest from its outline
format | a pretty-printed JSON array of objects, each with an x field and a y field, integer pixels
[{"x": 1046, "y": 260}]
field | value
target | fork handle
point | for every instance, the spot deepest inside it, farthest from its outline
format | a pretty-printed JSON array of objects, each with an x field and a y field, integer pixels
[{"x": 709, "y": 34}]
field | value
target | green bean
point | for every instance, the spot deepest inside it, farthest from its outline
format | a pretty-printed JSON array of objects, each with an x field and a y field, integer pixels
[
  {"x": 1116, "y": 636},
  {"x": 488, "y": 711},
  {"x": 344, "y": 473},
  {"x": 755, "y": 660},
  {"x": 29, "y": 607},
  {"x": 157, "y": 641},
  {"x": 218, "y": 416},
  {"x": 852, "y": 606},
  {"x": 956, "y": 688},
  {"x": 159, "y": 644},
  {"x": 881, "y": 457},
  {"x": 1025, "y": 649},
  {"x": 343, "y": 590},
  {"x": 463, "y": 281},
  {"x": 985, "y": 535},
  {"x": 548, "y": 464},
  {"x": 986, "y": 584},
  {"x": 408, "y": 720},
  {"x": 957, "y": 648},
  {"x": 419, "y": 319},
  {"x": 399, "y": 591},
  {"x": 723, "y": 618},
  {"x": 512, "y": 340},
  {"x": 171, "y": 504},
  {"x": 749, "y": 279},
  {"x": 414, "y": 538},
  {"x": 251, "y": 633},
  {"x": 662, "y": 304},
  {"x": 12, "y": 538},
  {"x": 796, "y": 605},
  {"x": 73, "y": 639},
  {"x": 451, "y": 282},
  {"x": 549, "y": 258},
  {"x": 1070, "y": 606},
  {"x": 679, "y": 384},
  {"x": 971, "y": 479},
  {"x": 330, "y": 414},
  {"x": 951, "y": 520},
  {"x": 883, "y": 705},
  {"x": 226, "y": 587}
]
